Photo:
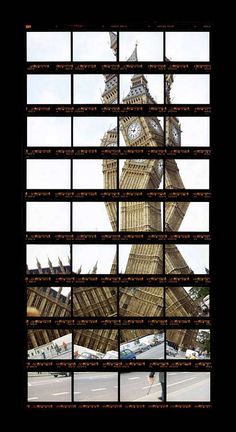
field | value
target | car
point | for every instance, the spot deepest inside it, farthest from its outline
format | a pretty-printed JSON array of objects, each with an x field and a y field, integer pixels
[
  {"x": 139, "y": 348},
  {"x": 127, "y": 354},
  {"x": 87, "y": 356},
  {"x": 170, "y": 351},
  {"x": 56, "y": 374}
]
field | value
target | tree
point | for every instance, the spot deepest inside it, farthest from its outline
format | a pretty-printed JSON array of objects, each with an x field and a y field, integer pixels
[
  {"x": 204, "y": 339},
  {"x": 198, "y": 292}
]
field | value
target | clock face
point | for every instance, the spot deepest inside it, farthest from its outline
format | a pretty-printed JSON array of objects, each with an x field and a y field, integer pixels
[
  {"x": 134, "y": 130},
  {"x": 175, "y": 135},
  {"x": 154, "y": 125}
]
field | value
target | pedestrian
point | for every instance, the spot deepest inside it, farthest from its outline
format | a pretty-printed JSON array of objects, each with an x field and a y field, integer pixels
[{"x": 151, "y": 379}]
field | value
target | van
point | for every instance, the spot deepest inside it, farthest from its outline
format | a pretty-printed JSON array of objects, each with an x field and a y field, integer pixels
[{"x": 191, "y": 354}]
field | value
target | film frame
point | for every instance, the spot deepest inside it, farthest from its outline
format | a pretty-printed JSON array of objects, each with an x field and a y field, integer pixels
[{"x": 164, "y": 238}]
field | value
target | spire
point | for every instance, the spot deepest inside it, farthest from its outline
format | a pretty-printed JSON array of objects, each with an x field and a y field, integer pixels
[
  {"x": 61, "y": 265},
  {"x": 94, "y": 270},
  {"x": 139, "y": 92},
  {"x": 50, "y": 266},
  {"x": 79, "y": 269},
  {"x": 39, "y": 266},
  {"x": 113, "y": 42},
  {"x": 134, "y": 55},
  {"x": 169, "y": 79}
]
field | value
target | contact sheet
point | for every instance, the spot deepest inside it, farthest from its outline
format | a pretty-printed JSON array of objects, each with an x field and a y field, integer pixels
[{"x": 117, "y": 217}]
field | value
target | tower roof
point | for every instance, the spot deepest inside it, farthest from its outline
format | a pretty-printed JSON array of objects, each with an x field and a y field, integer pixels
[
  {"x": 113, "y": 38},
  {"x": 134, "y": 55},
  {"x": 113, "y": 130}
]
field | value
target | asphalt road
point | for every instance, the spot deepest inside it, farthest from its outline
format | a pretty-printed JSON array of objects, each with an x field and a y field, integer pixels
[
  {"x": 156, "y": 352},
  {"x": 188, "y": 386},
  {"x": 134, "y": 387},
  {"x": 96, "y": 386},
  {"x": 49, "y": 389}
]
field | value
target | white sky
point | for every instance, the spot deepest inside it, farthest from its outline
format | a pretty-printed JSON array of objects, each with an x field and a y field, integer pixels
[
  {"x": 87, "y": 174},
  {"x": 48, "y": 46},
  {"x": 195, "y": 131},
  {"x": 92, "y": 46},
  {"x": 122, "y": 141},
  {"x": 48, "y": 216},
  {"x": 87, "y": 255},
  {"x": 194, "y": 173},
  {"x": 48, "y": 89},
  {"x": 187, "y": 46},
  {"x": 150, "y": 45},
  {"x": 90, "y": 216},
  {"x": 45, "y": 251},
  {"x": 88, "y": 88},
  {"x": 48, "y": 174},
  {"x": 196, "y": 217},
  {"x": 88, "y": 131},
  {"x": 48, "y": 131},
  {"x": 190, "y": 89},
  {"x": 121, "y": 164},
  {"x": 155, "y": 85},
  {"x": 196, "y": 256}
]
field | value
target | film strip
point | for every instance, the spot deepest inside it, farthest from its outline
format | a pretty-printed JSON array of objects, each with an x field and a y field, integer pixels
[{"x": 117, "y": 218}]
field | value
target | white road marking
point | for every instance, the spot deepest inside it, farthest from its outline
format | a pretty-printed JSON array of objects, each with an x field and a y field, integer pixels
[
  {"x": 32, "y": 398},
  {"x": 151, "y": 386},
  {"x": 133, "y": 378},
  {"x": 58, "y": 394},
  {"x": 99, "y": 389},
  {"x": 43, "y": 382},
  {"x": 180, "y": 382}
]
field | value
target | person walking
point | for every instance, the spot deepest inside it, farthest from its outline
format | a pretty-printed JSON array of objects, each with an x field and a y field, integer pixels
[{"x": 151, "y": 379}]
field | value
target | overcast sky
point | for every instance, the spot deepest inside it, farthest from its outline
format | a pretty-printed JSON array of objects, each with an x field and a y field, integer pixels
[
  {"x": 196, "y": 256},
  {"x": 48, "y": 174},
  {"x": 195, "y": 131},
  {"x": 92, "y": 46},
  {"x": 150, "y": 45},
  {"x": 87, "y": 174},
  {"x": 95, "y": 46},
  {"x": 194, "y": 173},
  {"x": 190, "y": 89},
  {"x": 48, "y": 131},
  {"x": 88, "y": 131},
  {"x": 187, "y": 46},
  {"x": 48, "y": 46},
  {"x": 88, "y": 255},
  {"x": 88, "y": 88},
  {"x": 155, "y": 86},
  {"x": 48, "y": 89},
  {"x": 90, "y": 216},
  {"x": 48, "y": 216}
]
